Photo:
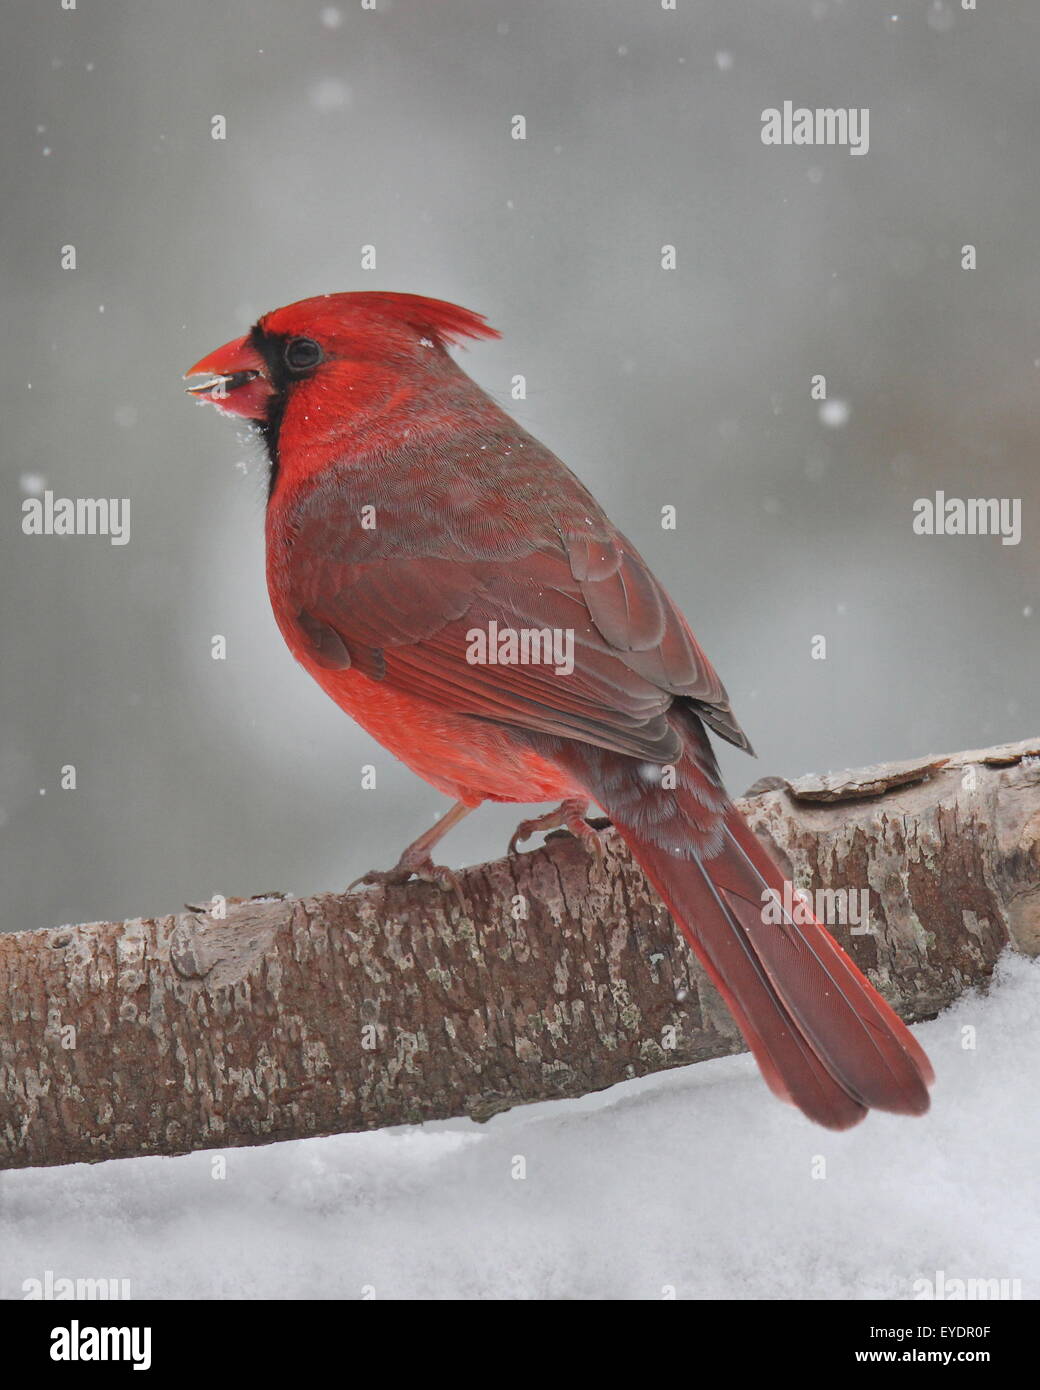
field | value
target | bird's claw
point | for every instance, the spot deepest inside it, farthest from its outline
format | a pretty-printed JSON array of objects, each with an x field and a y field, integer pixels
[
  {"x": 523, "y": 831},
  {"x": 425, "y": 870},
  {"x": 591, "y": 838},
  {"x": 570, "y": 816}
]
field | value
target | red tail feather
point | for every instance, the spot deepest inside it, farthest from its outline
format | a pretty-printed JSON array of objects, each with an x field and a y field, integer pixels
[{"x": 823, "y": 1037}]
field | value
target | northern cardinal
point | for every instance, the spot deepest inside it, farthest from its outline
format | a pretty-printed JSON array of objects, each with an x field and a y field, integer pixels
[{"x": 407, "y": 515}]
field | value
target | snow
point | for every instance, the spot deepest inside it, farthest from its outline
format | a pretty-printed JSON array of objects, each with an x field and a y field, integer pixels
[
  {"x": 330, "y": 94},
  {"x": 695, "y": 1180},
  {"x": 940, "y": 17},
  {"x": 835, "y": 414}
]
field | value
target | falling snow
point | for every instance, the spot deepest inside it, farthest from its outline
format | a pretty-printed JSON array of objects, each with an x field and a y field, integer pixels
[
  {"x": 834, "y": 414},
  {"x": 330, "y": 95}
]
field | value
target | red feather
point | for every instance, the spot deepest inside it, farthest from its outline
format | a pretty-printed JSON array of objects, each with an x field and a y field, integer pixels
[{"x": 329, "y": 313}]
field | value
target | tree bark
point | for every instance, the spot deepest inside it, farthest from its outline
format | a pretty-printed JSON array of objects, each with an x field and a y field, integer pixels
[{"x": 553, "y": 975}]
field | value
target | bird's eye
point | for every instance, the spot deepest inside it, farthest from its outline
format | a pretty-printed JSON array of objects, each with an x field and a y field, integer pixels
[{"x": 302, "y": 353}]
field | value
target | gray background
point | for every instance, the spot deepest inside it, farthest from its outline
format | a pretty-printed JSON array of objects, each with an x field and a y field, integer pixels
[{"x": 690, "y": 388}]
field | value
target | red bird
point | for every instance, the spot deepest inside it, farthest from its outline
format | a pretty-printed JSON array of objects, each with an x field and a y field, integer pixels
[{"x": 409, "y": 514}]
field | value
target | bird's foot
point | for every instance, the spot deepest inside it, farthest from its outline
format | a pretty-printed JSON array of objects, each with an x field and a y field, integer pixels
[
  {"x": 415, "y": 861},
  {"x": 569, "y": 814},
  {"x": 419, "y": 866}
]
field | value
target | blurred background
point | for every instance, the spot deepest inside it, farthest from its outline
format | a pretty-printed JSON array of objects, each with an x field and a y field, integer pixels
[{"x": 688, "y": 387}]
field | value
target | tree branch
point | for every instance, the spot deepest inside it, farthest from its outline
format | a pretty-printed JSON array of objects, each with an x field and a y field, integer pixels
[{"x": 554, "y": 976}]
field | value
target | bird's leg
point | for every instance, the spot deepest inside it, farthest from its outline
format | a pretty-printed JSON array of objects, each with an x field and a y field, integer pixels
[
  {"x": 571, "y": 814},
  {"x": 416, "y": 858}
]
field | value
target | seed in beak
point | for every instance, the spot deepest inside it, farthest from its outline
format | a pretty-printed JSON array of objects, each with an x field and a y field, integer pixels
[{"x": 217, "y": 387}]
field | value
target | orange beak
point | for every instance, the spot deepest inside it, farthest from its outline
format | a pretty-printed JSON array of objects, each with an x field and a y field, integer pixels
[{"x": 235, "y": 380}]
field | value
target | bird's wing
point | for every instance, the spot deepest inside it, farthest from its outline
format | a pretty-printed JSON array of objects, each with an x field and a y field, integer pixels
[{"x": 402, "y": 604}]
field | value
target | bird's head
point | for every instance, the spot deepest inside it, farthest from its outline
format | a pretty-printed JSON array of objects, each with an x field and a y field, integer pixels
[{"x": 328, "y": 353}]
